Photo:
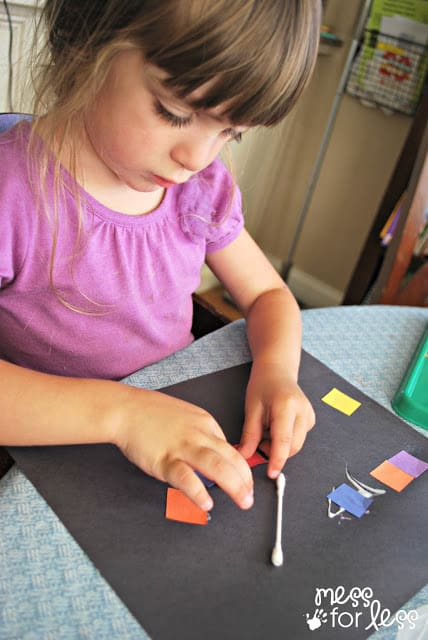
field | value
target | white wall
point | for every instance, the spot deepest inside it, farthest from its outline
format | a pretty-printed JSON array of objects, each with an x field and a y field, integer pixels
[
  {"x": 360, "y": 158},
  {"x": 23, "y": 17}
]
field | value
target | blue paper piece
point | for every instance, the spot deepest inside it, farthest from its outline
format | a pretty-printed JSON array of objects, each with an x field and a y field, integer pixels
[
  {"x": 207, "y": 482},
  {"x": 352, "y": 501}
]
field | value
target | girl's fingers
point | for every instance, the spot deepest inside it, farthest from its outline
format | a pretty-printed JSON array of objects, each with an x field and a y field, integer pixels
[
  {"x": 251, "y": 432},
  {"x": 229, "y": 470},
  {"x": 287, "y": 436},
  {"x": 280, "y": 445},
  {"x": 181, "y": 476},
  {"x": 219, "y": 462},
  {"x": 211, "y": 427}
]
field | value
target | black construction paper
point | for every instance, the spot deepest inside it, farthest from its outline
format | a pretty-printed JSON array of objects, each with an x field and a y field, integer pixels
[{"x": 189, "y": 582}]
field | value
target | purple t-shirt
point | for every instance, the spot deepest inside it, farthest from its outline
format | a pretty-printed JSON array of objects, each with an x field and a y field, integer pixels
[{"x": 133, "y": 275}]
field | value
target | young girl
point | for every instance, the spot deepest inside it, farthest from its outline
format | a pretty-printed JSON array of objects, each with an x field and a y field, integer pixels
[{"x": 113, "y": 198}]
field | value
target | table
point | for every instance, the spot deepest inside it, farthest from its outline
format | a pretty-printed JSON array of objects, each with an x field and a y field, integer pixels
[{"x": 49, "y": 590}]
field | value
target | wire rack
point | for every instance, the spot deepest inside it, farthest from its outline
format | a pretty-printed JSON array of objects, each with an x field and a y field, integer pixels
[{"x": 388, "y": 72}]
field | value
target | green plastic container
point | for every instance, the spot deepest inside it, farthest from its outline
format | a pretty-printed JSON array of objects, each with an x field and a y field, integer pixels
[{"x": 411, "y": 399}]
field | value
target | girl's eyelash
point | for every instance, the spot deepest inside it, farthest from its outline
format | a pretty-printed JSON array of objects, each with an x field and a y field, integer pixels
[
  {"x": 171, "y": 118},
  {"x": 234, "y": 135},
  {"x": 180, "y": 121}
]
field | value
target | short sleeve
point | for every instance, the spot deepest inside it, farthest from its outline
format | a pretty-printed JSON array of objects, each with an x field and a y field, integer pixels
[
  {"x": 13, "y": 219},
  {"x": 210, "y": 208}
]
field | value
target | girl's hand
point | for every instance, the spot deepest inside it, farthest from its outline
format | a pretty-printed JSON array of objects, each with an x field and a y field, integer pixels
[
  {"x": 170, "y": 438},
  {"x": 278, "y": 416}
]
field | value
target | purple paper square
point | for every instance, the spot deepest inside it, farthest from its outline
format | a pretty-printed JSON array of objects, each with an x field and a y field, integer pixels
[
  {"x": 408, "y": 463},
  {"x": 348, "y": 498}
]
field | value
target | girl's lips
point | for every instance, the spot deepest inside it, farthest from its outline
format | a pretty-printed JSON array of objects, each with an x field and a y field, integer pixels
[{"x": 162, "y": 182}]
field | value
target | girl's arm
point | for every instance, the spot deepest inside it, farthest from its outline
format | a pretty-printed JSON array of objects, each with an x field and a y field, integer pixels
[
  {"x": 278, "y": 414},
  {"x": 166, "y": 437}
]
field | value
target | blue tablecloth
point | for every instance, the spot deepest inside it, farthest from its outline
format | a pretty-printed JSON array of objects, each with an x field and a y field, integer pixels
[{"x": 49, "y": 590}]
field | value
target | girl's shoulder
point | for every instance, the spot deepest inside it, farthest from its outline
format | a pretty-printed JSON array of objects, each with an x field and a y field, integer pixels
[
  {"x": 210, "y": 206},
  {"x": 16, "y": 178},
  {"x": 14, "y": 150},
  {"x": 213, "y": 186},
  {"x": 17, "y": 201}
]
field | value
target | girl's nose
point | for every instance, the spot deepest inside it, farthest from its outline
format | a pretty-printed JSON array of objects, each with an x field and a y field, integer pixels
[{"x": 194, "y": 155}]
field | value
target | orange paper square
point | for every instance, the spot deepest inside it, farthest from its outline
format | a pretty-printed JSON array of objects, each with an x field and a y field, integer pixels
[
  {"x": 179, "y": 507},
  {"x": 392, "y": 476}
]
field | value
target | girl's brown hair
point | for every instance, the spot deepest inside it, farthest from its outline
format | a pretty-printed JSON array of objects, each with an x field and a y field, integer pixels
[
  {"x": 254, "y": 58},
  {"x": 256, "y": 55}
]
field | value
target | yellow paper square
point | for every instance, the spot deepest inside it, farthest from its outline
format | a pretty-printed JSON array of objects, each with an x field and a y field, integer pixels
[{"x": 340, "y": 401}]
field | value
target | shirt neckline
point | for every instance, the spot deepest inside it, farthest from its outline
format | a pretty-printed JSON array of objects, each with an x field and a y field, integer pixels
[{"x": 101, "y": 210}]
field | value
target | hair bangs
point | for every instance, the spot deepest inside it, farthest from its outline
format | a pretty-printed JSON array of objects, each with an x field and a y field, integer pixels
[{"x": 254, "y": 62}]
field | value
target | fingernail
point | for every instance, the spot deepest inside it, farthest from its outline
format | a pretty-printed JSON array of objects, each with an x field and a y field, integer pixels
[
  {"x": 248, "y": 501},
  {"x": 207, "y": 505},
  {"x": 274, "y": 474}
]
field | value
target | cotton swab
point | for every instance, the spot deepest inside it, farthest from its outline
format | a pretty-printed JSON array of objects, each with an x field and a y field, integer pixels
[{"x": 277, "y": 555}]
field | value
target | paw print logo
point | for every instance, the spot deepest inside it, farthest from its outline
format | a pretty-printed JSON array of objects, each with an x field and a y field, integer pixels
[{"x": 317, "y": 619}]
